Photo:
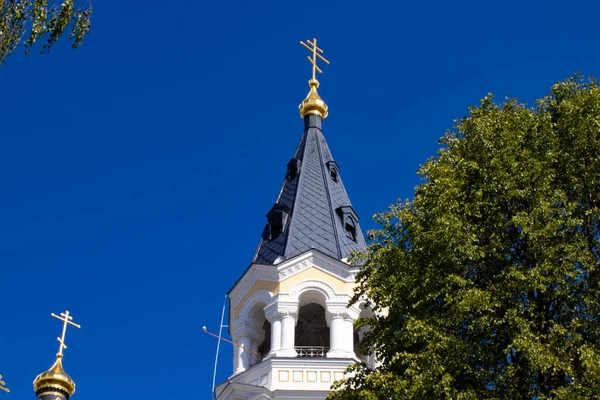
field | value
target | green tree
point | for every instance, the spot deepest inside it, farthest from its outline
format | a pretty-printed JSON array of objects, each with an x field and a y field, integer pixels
[
  {"x": 25, "y": 22},
  {"x": 487, "y": 283}
]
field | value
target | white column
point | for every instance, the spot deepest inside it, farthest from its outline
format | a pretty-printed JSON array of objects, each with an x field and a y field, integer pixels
[
  {"x": 275, "y": 335},
  {"x": 254, "y": 356},
  {"x": 247, "y": 338},
  {"x": 246, "y": 356},
  {"x": 336, "y": 338},
  {"x": 348, "y": 335},
  {"x": 341, "y": 328},
  {"x": 369, "y": 358},
  {"x": 282, "y": 316},
  {"x": 238, "y": 364},
  {"x": 288, "y": 336}
]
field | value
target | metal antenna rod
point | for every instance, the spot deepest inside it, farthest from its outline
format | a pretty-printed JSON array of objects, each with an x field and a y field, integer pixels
[{"x": 218, "y": 346}]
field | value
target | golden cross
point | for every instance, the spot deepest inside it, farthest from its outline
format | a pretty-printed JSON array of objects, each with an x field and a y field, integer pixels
[
  {"x": 2, "y": 387},
  {"x": 66, "y": 318},
  {"x": 316, "y": 52}
]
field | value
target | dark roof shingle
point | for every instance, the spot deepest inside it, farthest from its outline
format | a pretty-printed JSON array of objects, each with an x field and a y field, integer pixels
[{"x": 312, "y": 198}]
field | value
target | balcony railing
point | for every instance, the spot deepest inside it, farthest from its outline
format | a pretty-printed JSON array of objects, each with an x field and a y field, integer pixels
[{"x": 311, "y": 351}]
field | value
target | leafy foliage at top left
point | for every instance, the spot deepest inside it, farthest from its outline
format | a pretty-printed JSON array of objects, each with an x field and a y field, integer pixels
[{"x": 27, "y": 22}]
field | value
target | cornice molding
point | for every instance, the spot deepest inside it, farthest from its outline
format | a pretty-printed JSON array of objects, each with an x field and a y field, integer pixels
[
  {"x": 318, "y": 260},
  {"x": 287, "y": 269}
]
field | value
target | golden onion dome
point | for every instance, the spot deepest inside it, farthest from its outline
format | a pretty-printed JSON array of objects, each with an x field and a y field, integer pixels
[
  {"x": 313, "y": 104},
  {"x": 55, "y": 378}
]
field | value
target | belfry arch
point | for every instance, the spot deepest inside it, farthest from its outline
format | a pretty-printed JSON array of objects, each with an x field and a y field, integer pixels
[
  {"x": 312, "y": 334},
  {"x": 252, "y": 332}
]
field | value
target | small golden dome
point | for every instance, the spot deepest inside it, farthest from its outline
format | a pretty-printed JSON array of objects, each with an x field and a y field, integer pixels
[
  {"x": 55, "y": 378},
  {"x": 313, "y": 104}
]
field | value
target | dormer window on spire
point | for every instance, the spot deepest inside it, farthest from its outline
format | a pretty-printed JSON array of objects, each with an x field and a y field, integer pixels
[
  {"x": 277, "y": 221},
  {"x": 333, "y": 170},
  {"x": 349, "y": 221},
  {"x": 350, "y": 228},
  {"x": 293, "y": 168}
]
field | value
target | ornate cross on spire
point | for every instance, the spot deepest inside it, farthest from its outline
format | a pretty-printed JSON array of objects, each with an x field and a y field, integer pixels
[
  {"x": 2, "y": 387},
  {"x": 66, "y": 318},
  {"x": 316, "y": 52}
]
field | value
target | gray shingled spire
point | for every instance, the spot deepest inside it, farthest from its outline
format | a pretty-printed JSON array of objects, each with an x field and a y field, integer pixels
[{"x": 313, "y": 210}]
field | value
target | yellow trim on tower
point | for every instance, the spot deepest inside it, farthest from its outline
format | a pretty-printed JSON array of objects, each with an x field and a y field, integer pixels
[{"x": 312, "y": 273}]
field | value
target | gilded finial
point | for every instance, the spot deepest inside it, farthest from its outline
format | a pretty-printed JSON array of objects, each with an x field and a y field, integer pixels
[
  {"x": 2, "y": 385},
  {"x": 313, "y": 104},
  {"x": 316, "y": 52},
  {"x": 56, "y": 378},
  {"x": 67, "y": 320}
]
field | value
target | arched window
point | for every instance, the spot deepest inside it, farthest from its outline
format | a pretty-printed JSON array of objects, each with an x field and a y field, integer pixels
[
  {"x": 261, "y": 345},
  {"x": 312, "y": 331},
  {"x": 265, "y": 346}
]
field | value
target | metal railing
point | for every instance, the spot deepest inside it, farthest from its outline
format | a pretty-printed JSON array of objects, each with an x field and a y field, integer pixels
[{"x": 311, "y": 351}]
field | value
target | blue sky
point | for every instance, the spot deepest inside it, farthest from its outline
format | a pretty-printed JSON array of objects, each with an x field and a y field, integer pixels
[{"x": 137, "y": 170}]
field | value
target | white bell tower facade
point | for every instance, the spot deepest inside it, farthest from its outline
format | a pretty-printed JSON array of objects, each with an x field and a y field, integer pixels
[{"x": 296, "y": 317}]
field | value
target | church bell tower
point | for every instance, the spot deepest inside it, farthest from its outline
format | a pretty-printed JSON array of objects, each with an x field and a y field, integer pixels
[{"x": 289, "y": 310}]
